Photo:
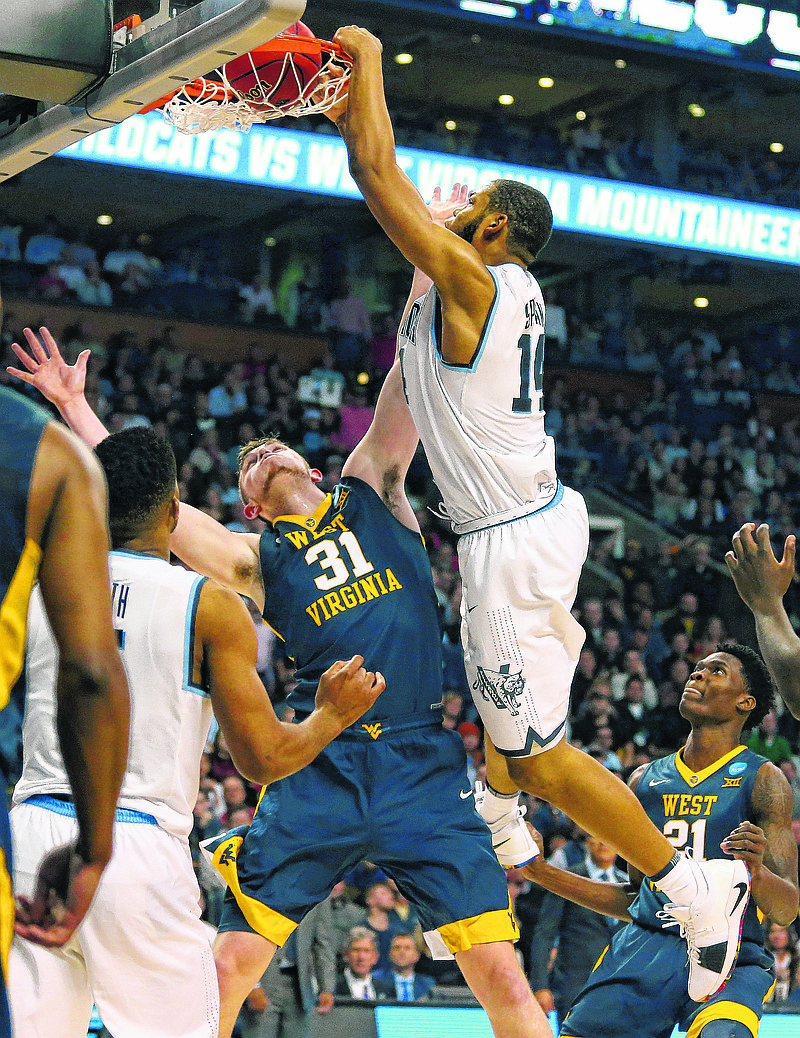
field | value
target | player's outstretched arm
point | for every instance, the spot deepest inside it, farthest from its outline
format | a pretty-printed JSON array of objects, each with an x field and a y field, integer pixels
[
  {"x": 263, "y": 748},
  {"x": 762, "y": 581},
  {"x": 67, "y": 517},
  {"x": 366, "y": 128},
  {"x": 612, "y": 899},
  {"x": 769, "y": 847},
  {"x": 62, "y": 384},
  {"x": 201, "y": 542}
]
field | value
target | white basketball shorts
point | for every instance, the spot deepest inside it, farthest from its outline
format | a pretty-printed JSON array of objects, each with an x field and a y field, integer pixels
[
  {"x": 521, "y": 642},
  {"x": 142, "y": 954}
]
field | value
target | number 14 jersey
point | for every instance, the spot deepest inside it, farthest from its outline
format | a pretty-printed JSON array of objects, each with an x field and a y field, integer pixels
[{"x": 482, "y": 423}]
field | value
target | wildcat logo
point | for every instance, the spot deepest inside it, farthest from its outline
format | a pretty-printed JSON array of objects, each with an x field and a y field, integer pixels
[
  {"x": 729, "y": 782},
  {"x": 374, "y": 730},
  {"x": 501, "y": 687}
]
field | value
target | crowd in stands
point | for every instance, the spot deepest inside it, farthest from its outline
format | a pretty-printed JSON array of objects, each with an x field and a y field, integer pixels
[{"x": 695, "y": 449}]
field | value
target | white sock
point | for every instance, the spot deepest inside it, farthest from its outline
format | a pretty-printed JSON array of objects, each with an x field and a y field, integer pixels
[
  {"x": 496, "y": 805},
  {"x": 679, "y": 882}
]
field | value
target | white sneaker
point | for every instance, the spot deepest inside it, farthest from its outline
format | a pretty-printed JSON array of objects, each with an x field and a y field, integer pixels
[
  {"x": 712, "y": 924},
  {"x": 512, "y": 843}
]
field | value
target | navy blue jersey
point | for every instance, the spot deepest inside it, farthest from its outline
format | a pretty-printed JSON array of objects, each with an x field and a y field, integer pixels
[
  {"x": 353, "y": 579},
  {"x": 21, "y": 427},
  {"x": 696, "y": 811}
]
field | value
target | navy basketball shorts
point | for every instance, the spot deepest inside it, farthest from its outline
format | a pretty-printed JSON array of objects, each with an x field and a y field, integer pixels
[
  {"x": 401, "y": 801},
  {"x": 638, "y": 990}
]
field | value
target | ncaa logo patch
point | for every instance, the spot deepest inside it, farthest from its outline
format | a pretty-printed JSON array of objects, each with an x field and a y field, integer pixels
[{"x": 737, "y": 769}]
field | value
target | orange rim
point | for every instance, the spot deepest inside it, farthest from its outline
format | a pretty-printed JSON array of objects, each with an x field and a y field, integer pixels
[{"x": 286, "y": 43}]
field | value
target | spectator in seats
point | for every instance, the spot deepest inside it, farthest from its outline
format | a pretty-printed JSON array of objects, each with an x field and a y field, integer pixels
[
  {"x": 602, "y": 749},
  {"x": 596, "y": 712},
  {"x": 766, "y": 741},
  {"x": 699, "y": 579},
  {"x": 133, "y": 281},
  {"x": 712, "y": 635},
  {"x": 124, "y": 253},
  {"x": 345, "y": 914},
  {"x": 382, "y": 919},
  {"x": 349, "y": 327},
  {"x": 637, "y": 484},
  {"x": 555, "y": 327},
  {"x": 633, "y": 666},
  {"x": 70, "y": 270},
  {"x": 234, "y": 792},
  {"x": 357, "y": 980},
  {"x": 409, "y": 986},
  {"x": 585, "y": 675},
  {"x": 569, "y": 939},
  {"x": 227, "y": 401},
  {"x": 782, "y": 942},
  {"x": 51, "y": 285},
  {"x": 667, "y": 729},
  {"x": 9, "y": 240},
  {"x": 301, "y": 977},
  {"x": 609, "y": 652},
  {"x": 593, "y": 623},
  {"x": 314, "y": 442},
  {"x": 632, "y": 730},
  {"x": 356, "y": 415},
  {"x": 471, "y": 737},
  {"x": 257, "y": 303},
  {"x": 46, "y": 245},
  {"x": 670, "y": 500},
  {"x": 684, "y": 619}
]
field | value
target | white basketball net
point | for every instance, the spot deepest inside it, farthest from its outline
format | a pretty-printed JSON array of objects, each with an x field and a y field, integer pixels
[{"x": 210, "y": 104}]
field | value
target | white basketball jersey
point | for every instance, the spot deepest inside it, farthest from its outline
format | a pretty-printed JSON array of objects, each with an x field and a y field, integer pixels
[
  {"x": 154, "y": 606},
  {"x": 482, "y": 424}
]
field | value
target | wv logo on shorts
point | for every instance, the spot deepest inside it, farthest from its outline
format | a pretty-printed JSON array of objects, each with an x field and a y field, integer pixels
[{"x": 501, "y": 687}]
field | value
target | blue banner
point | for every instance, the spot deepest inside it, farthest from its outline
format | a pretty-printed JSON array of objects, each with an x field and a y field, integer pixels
[{"x": 317, "y": 163}]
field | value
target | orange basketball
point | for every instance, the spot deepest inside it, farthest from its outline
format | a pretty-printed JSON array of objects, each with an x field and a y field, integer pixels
[{"x": 265, "y": 77}]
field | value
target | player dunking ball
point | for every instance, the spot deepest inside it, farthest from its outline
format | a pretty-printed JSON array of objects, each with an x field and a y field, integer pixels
[
  {"x": 331, "y": 571},
  {"x": 188, "y": 645},
  {"x": 471, "y": 352},
  {"x": 726, "y": 800}
]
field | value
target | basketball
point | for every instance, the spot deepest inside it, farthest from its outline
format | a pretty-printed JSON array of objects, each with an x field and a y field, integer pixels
[{"x": 266, "y": 76}]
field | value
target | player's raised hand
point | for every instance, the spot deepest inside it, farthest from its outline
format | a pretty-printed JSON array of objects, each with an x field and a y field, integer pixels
[
  {"x": 358, "y": 43},
  {"x": 47, "y": 370},
  {"x": 748, "y": 843},
  {"x": 349, "y": 689},
  {"x": 442, "y": 211},
  {"x": 65, "y": 887},
  {"x": 760, "y": 578},
  {"x": 328, "y": 80}
]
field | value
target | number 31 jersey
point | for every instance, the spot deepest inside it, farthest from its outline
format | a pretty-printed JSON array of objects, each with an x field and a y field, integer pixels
[
  {"x": 482, "y": 423},
  {"x": 353, "y": 580}
]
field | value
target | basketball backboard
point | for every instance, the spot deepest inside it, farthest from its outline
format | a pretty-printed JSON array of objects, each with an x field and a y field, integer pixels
[{"x": 175, "y": 52}]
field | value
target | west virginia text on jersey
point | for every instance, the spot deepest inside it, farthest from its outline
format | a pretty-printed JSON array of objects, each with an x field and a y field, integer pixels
[{"x": 352, "y": 579}]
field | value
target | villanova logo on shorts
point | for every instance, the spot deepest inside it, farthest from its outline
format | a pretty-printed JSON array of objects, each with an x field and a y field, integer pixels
[{"x": 501, "y": 688}]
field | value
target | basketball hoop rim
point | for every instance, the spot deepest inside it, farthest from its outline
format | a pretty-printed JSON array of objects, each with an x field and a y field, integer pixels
[{"x": 288, "y": 43}]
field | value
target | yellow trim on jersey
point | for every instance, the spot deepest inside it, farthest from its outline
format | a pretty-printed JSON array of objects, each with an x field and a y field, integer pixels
[
  {"x": 265, "y": 921},
  {"x": 724, "y": 1011},
  {"x": 6, "y": 913},
  {"x": 14, "y": 618},
  {"x": 312, "y": 522},
  {"x": 603, "y": 954},
  {"x": 694, "y": 778},
  {"x": 276, "y": 633},
  {"x": 480, "y": 929}
]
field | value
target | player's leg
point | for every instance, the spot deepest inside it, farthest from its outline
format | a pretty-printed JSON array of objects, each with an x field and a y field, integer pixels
[
  {"x": 521, "y": 649},
  {"x": 241, "y": 960},
  {"x": 143, "y": 940},
  {"x": 435, "y": 846},
  {"x": 496, "y": 980},
  {"x": 48, "y": 991}
]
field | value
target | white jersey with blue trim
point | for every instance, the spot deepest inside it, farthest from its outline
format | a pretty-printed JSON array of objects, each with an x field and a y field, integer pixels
[
  {"x": 153, "y": 609},
  {"x": 482, "y": 423}
]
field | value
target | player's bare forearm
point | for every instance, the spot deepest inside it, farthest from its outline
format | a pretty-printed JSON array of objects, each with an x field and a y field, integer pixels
[
  {"x": 207, "y": 547},
  {"x": 62, "y": 384},
  {"x": 780, "y": 647},
  {"x": 612, "y": 899},
  {"x": 768, "y": 846}
]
